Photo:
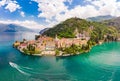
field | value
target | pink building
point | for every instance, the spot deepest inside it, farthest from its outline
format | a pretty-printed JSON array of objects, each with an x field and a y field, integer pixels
[{"x": 22, "y": 46}]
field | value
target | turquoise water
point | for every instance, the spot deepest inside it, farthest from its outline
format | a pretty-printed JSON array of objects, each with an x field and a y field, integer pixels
[{"x": 102, "y": 63}]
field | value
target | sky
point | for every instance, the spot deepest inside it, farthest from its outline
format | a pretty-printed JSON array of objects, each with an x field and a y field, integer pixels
[{"x": 40, "y": 14}]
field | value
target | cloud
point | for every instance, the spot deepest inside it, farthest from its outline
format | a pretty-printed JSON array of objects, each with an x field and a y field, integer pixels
[
  {"x": 2, "y": 3},
  {"x": 78, "y": 11},
  {"x": 110, "y": 7},
  {"x": 27, "y": 23},
  {"x": 57, "y": 11},
  {"x": 50, "y": 8},
  {"x": 10, "y": 5},
  {"x": 70, "y": 1},
  {"x": 22, "y": 14}
]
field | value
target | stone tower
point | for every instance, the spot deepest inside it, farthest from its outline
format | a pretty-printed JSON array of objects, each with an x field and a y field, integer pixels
[
  {"x": 56, "y": 37},
  {"x": 76, "y": 32}
]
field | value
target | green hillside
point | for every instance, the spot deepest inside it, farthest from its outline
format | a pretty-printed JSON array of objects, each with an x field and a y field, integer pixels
[
  {"x": 113, "y": 22},
  {"x": 95, "y": 30}
]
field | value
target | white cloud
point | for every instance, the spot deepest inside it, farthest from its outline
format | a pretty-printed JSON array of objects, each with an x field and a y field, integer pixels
[
  {"x": 22, "y": 14},
  {"x": 10, "y": 5},
  {"x": 51, "y": 10},
  {"x": 110, "y": 7},
  {"x": 55, "y": 11},
  {"x": 26, "y": 23},
  {"x": 2, "y": 3},
  {"x": 78, "y": 11}
]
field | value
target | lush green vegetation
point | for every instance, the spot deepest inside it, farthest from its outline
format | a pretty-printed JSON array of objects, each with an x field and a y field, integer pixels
[
  {"x": 31, "y": 50},
  {"x": 96, "y": 30},
  {"x": 74, "y": 49},
  {"x": 66, "y": 28}
]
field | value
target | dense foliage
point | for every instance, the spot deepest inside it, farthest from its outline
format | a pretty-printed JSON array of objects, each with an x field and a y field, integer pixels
[
  {"x": 74, "y": 49},
  {"x": 98, "y": 32},
  {"x": 31, "y": 50}
]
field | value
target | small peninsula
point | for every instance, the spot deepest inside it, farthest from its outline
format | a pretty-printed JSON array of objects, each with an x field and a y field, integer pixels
[{"x": 71, "y": 37}]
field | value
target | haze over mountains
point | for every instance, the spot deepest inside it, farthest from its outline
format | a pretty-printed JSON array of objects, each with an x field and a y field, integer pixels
[
  {"x": 100, "y": 18},
  {"x": 108, "y": 19},
  {"x": 14, "y": 28},
  {"x": 113, "y": 22}
]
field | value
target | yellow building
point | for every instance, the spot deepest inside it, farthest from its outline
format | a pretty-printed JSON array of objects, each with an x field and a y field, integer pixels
[{"x": 17, "y": 43}]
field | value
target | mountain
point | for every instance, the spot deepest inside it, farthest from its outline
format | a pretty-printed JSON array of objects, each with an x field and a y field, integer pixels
[
  {"x": 43, "y": 30},
  {"x": 14, "y": 28},
  {"x": 113, "y": 22},
  {"x": 95, "y": 30},
  {"x": 100, "y": 18}
]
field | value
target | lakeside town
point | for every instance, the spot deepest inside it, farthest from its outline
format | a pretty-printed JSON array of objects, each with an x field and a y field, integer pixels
[
  {"x": 44, "y": 45},
  {"x": 71, "y": 37}
]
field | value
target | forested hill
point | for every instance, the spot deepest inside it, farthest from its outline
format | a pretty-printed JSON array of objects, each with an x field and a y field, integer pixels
[
  {"x": 113, "y": 22},
  {"x": 66, "y": 29}
]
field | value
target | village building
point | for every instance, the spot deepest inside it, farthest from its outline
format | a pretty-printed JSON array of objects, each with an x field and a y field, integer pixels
[
  {"x": 17, "y": 43},
  {"x": 47, "y": 45},
  {"x": 31, "y": 42},
  {"x": 22, "y": 46},
  {"x": 50, "y": 45},
  {"x": 82, "y": 36}
]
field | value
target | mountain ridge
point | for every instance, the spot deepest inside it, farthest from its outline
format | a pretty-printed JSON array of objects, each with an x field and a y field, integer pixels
[
  {"x": 113, "y": 22},
  {"x": 100, "y": 18},
  {"x": 95, "y": 30},
  {"x": 13, "y": 28}
]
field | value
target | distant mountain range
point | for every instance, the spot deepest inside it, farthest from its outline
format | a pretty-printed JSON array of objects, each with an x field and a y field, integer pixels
[
  {"x": 43, "y": 30},
  {"x": 108, "y": 20},
  {"x": 96, "y": 19},
  {"x": 100, "y": 18},
  {"x": 113, "y": 22},
  {"x": 67, "y": 29},
  {"x": 14, "y": 28}
]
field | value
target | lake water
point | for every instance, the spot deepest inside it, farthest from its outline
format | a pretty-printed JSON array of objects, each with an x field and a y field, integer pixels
[{"x": 102, "y": 63}]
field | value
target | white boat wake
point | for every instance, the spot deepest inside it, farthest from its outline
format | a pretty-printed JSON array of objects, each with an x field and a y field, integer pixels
[
  {"x": 31, "y": 72},
  {"x": 23, "y": 70},
  {"x": 17, "y": 67}
]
